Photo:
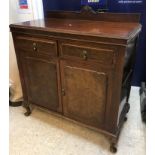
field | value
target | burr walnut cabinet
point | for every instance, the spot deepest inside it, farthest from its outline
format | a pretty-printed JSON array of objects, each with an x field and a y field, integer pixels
[{"x": 79, "y": 64}]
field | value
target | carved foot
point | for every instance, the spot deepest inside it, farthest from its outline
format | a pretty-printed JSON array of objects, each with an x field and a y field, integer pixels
[
  {"x": 127, "y": 107},
  {"x": 113, "y": 148},
  {"x": 125, "y": 119},
  {"x": 28, "y": 111}
]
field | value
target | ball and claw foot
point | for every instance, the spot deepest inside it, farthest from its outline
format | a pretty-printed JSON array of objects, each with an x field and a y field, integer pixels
[
  {"x": 128, "y": 107},
  {"x": 28, "y": 111},
  {"x": 125, "y": 119},
  {"x": 113, "y": 148}
]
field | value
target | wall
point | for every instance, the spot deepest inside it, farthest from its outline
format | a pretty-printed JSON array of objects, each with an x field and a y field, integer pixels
[
  {"x": 115, "y": 6},
  {"x": 36, "y": 11}
]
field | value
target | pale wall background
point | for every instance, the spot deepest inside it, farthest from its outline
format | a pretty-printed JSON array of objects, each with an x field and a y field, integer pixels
[{"x": 15, "y": 15}]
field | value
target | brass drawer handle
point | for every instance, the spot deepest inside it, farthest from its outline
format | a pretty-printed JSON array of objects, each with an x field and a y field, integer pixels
[
  {"x": 85, "y": 55},
  {"x": 34, "y": 47},
  {"x": 63, "y": 92}
]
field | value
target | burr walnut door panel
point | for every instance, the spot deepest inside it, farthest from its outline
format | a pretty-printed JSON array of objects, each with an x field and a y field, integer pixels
[
  {"x": 85, "y": 93},
  {"x": 41, "y": 79}
]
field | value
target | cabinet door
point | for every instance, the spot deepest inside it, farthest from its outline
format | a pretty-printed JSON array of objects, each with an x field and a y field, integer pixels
[
  {"x": 86, "y": 92},
  {"x": 41, "y": 80}
]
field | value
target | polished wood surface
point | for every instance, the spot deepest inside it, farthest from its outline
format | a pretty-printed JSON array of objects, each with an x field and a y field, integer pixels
[
  {"x": 121, "y": 30},
  {"x": 41, "y": 46},
  {"x": 89, "y": 53},
  {"x": 80, "y": 84},
  {"x": 79, "y": 67}
]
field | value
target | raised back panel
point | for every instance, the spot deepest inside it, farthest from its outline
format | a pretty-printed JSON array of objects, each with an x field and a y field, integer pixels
[
  {"x": 91, "y": 15},
  {"x": 86, "y": 95}
]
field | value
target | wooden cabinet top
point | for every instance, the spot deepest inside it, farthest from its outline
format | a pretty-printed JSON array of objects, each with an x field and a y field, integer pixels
[{"x": 105, "y": 25}]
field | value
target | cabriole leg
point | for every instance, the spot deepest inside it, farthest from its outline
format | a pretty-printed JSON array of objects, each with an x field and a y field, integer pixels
[
  {"x": 28, "y": 111},
  {"x": 113, "y": 147},
  {"x": 27, "y": 107},
  {"x": 113, "y": 144}
]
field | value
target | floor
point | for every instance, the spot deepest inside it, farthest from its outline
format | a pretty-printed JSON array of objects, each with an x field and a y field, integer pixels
[{"x": 45, "y": 134}]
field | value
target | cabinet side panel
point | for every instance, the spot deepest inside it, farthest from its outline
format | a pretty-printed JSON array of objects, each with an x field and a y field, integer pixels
[
  {"x": 19, "y": 63},
  {"x": 127, "y": 77}
]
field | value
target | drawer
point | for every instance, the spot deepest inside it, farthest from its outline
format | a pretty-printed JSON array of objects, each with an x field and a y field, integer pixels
[
  {"x": 87, "y": 53},
  {"x": 43, "y": 46}
]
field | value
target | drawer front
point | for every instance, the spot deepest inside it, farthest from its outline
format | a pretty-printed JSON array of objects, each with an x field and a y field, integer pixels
[
  {"x": 86, "y": 53},
  {"x": 43, "y": 46}
]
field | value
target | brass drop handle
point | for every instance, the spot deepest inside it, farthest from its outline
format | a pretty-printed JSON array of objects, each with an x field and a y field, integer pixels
[
  {"x": 84, "y": 55},
  {"x": 34, "y": 47}
]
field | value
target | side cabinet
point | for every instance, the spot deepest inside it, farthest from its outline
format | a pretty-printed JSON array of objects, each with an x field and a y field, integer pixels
[
  {"x": 40, "y": 69},
  {"x": 79, "y": 65}
]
